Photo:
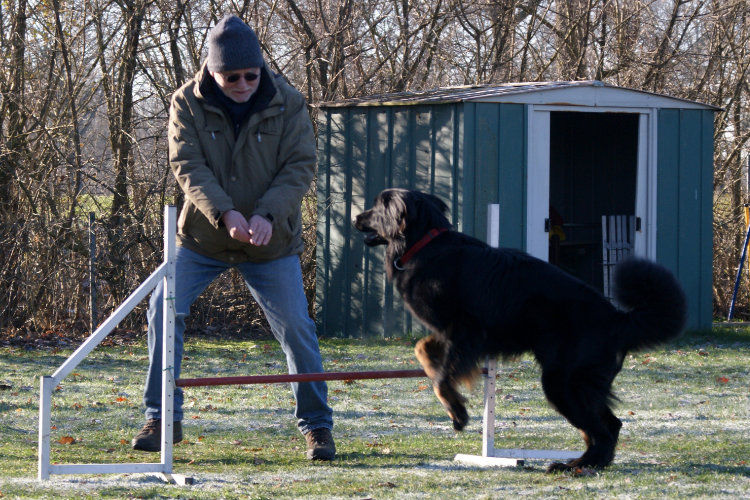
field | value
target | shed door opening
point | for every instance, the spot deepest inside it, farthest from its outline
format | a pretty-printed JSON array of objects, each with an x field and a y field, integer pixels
[{"x": 593, "y": 165}]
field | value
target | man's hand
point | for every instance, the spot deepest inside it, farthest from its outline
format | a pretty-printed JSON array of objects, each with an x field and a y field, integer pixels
[
  {"x": 257, "y": 231},
  {"x": 260, "y": 230}
]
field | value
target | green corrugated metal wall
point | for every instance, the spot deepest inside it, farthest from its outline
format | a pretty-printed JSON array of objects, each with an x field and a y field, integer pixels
[
  {"x": 684, "y": 205},
  {"x": 494, "y": 170},
  {"x": 363, "y": 150}
]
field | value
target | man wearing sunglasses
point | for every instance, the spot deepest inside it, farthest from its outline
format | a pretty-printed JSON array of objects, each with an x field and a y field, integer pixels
[{"x": 242, "y": 148}]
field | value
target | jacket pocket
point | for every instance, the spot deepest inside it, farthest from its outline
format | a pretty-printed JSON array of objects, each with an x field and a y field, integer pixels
[
  {"x": 216, "y": 149},
  {"x": 271, "y": 126},
  {"x": 267, "y": 134}
]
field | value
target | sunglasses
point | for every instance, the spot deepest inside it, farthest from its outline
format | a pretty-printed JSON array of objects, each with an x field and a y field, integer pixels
[{"x": 249, "y": 77}]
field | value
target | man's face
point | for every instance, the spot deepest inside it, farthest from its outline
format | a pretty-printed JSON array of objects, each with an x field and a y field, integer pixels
[{"x": 239, "y": 85}]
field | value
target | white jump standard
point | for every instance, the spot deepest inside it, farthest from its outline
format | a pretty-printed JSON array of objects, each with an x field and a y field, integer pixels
[{"x": 166, "y": 273}]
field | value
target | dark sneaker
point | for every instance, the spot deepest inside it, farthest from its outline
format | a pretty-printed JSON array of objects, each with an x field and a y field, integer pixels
[
  {"x": 149, "y": 439},
  {"x": 320, "y": 445}
]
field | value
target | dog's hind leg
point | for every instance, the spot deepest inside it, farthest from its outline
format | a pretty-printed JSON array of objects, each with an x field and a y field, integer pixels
[
  {"x": 614, "y": 425},
  {"x": 434, "y": 357},
  {"x": 585, "y": 407},
  {"x": 600, "y": 433}
]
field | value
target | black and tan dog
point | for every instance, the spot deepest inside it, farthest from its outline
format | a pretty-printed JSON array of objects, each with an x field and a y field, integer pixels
[{"x": 480, "y": 301}]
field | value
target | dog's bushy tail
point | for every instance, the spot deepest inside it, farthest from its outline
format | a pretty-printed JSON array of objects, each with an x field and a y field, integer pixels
[{"x": 654, "y": 300}]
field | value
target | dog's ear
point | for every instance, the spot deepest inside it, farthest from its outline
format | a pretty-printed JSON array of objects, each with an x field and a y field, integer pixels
[
  {"x": 395, "y": 207},
  {"x": 439, "y": 204},
  {"x": 427, "y": 209}
]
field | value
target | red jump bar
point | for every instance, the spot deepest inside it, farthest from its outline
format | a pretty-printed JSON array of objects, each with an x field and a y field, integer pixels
[{"x": 299, "y": 377}]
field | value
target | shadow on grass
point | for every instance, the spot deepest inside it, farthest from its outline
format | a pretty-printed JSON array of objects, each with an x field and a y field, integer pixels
[
  {"x": 690, "y": 469},
  {"x": 353, "y": 459},
  {"x": 724, "y": 334}
]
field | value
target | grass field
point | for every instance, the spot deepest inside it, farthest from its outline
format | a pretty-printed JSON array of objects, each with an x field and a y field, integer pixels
[{"x": 685, "y": 409}]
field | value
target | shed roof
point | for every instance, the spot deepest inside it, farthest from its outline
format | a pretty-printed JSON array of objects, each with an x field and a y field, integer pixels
[{"x": 572, "y": 93}]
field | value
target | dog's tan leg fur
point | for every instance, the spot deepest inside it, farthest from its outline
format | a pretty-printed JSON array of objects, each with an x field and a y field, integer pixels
[{"x": 430, "y": 354}]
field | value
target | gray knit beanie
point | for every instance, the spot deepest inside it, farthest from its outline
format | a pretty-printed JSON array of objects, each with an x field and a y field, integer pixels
[{"x": 233, "y": 45}]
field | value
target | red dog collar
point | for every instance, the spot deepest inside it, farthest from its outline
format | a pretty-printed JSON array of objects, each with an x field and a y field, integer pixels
[{"x": 431, "y": 234}]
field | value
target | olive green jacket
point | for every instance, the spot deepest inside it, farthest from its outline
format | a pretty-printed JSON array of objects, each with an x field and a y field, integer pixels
[{"x": 264, "y": 169}]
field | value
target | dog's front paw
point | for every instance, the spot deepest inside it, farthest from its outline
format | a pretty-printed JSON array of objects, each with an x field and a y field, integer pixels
[{"x": 460, "y": 418}]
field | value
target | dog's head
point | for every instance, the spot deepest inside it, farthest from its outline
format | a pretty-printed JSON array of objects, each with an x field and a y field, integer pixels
[{"x": 397, "y": 212}]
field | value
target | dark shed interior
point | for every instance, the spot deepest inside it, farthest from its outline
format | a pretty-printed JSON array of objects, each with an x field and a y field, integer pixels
[{"x": 593, "y": 166}]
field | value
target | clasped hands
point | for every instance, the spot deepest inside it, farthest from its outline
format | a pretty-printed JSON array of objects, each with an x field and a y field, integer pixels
[{"x": 256, "y": 231}]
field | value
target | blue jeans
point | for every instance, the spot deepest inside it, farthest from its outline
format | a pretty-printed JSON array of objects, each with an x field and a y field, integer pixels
[{"x": 278, "y": 289}]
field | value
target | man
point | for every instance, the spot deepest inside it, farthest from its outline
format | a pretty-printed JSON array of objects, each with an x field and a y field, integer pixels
[{"x": 242, "y": 148}]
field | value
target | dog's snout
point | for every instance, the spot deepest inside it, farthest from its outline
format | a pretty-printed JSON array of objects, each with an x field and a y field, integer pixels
[{"x": 361, "y": 219}]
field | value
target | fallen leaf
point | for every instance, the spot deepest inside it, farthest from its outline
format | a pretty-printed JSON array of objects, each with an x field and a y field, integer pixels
[
  {"x": 67, "y": 440},
  {"x": 722, "y": 380}
]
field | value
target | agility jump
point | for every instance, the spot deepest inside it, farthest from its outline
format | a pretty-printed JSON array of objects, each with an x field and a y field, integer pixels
[{"x": 166, "y": 272}]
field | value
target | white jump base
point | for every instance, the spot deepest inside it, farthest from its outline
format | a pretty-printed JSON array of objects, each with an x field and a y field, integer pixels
[
  {"x": 515, "y": 457},
  {"x": 494, "y": 457}
]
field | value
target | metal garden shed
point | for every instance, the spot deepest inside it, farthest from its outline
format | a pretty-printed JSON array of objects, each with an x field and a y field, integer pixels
[{"x": 556, "y": 157}]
